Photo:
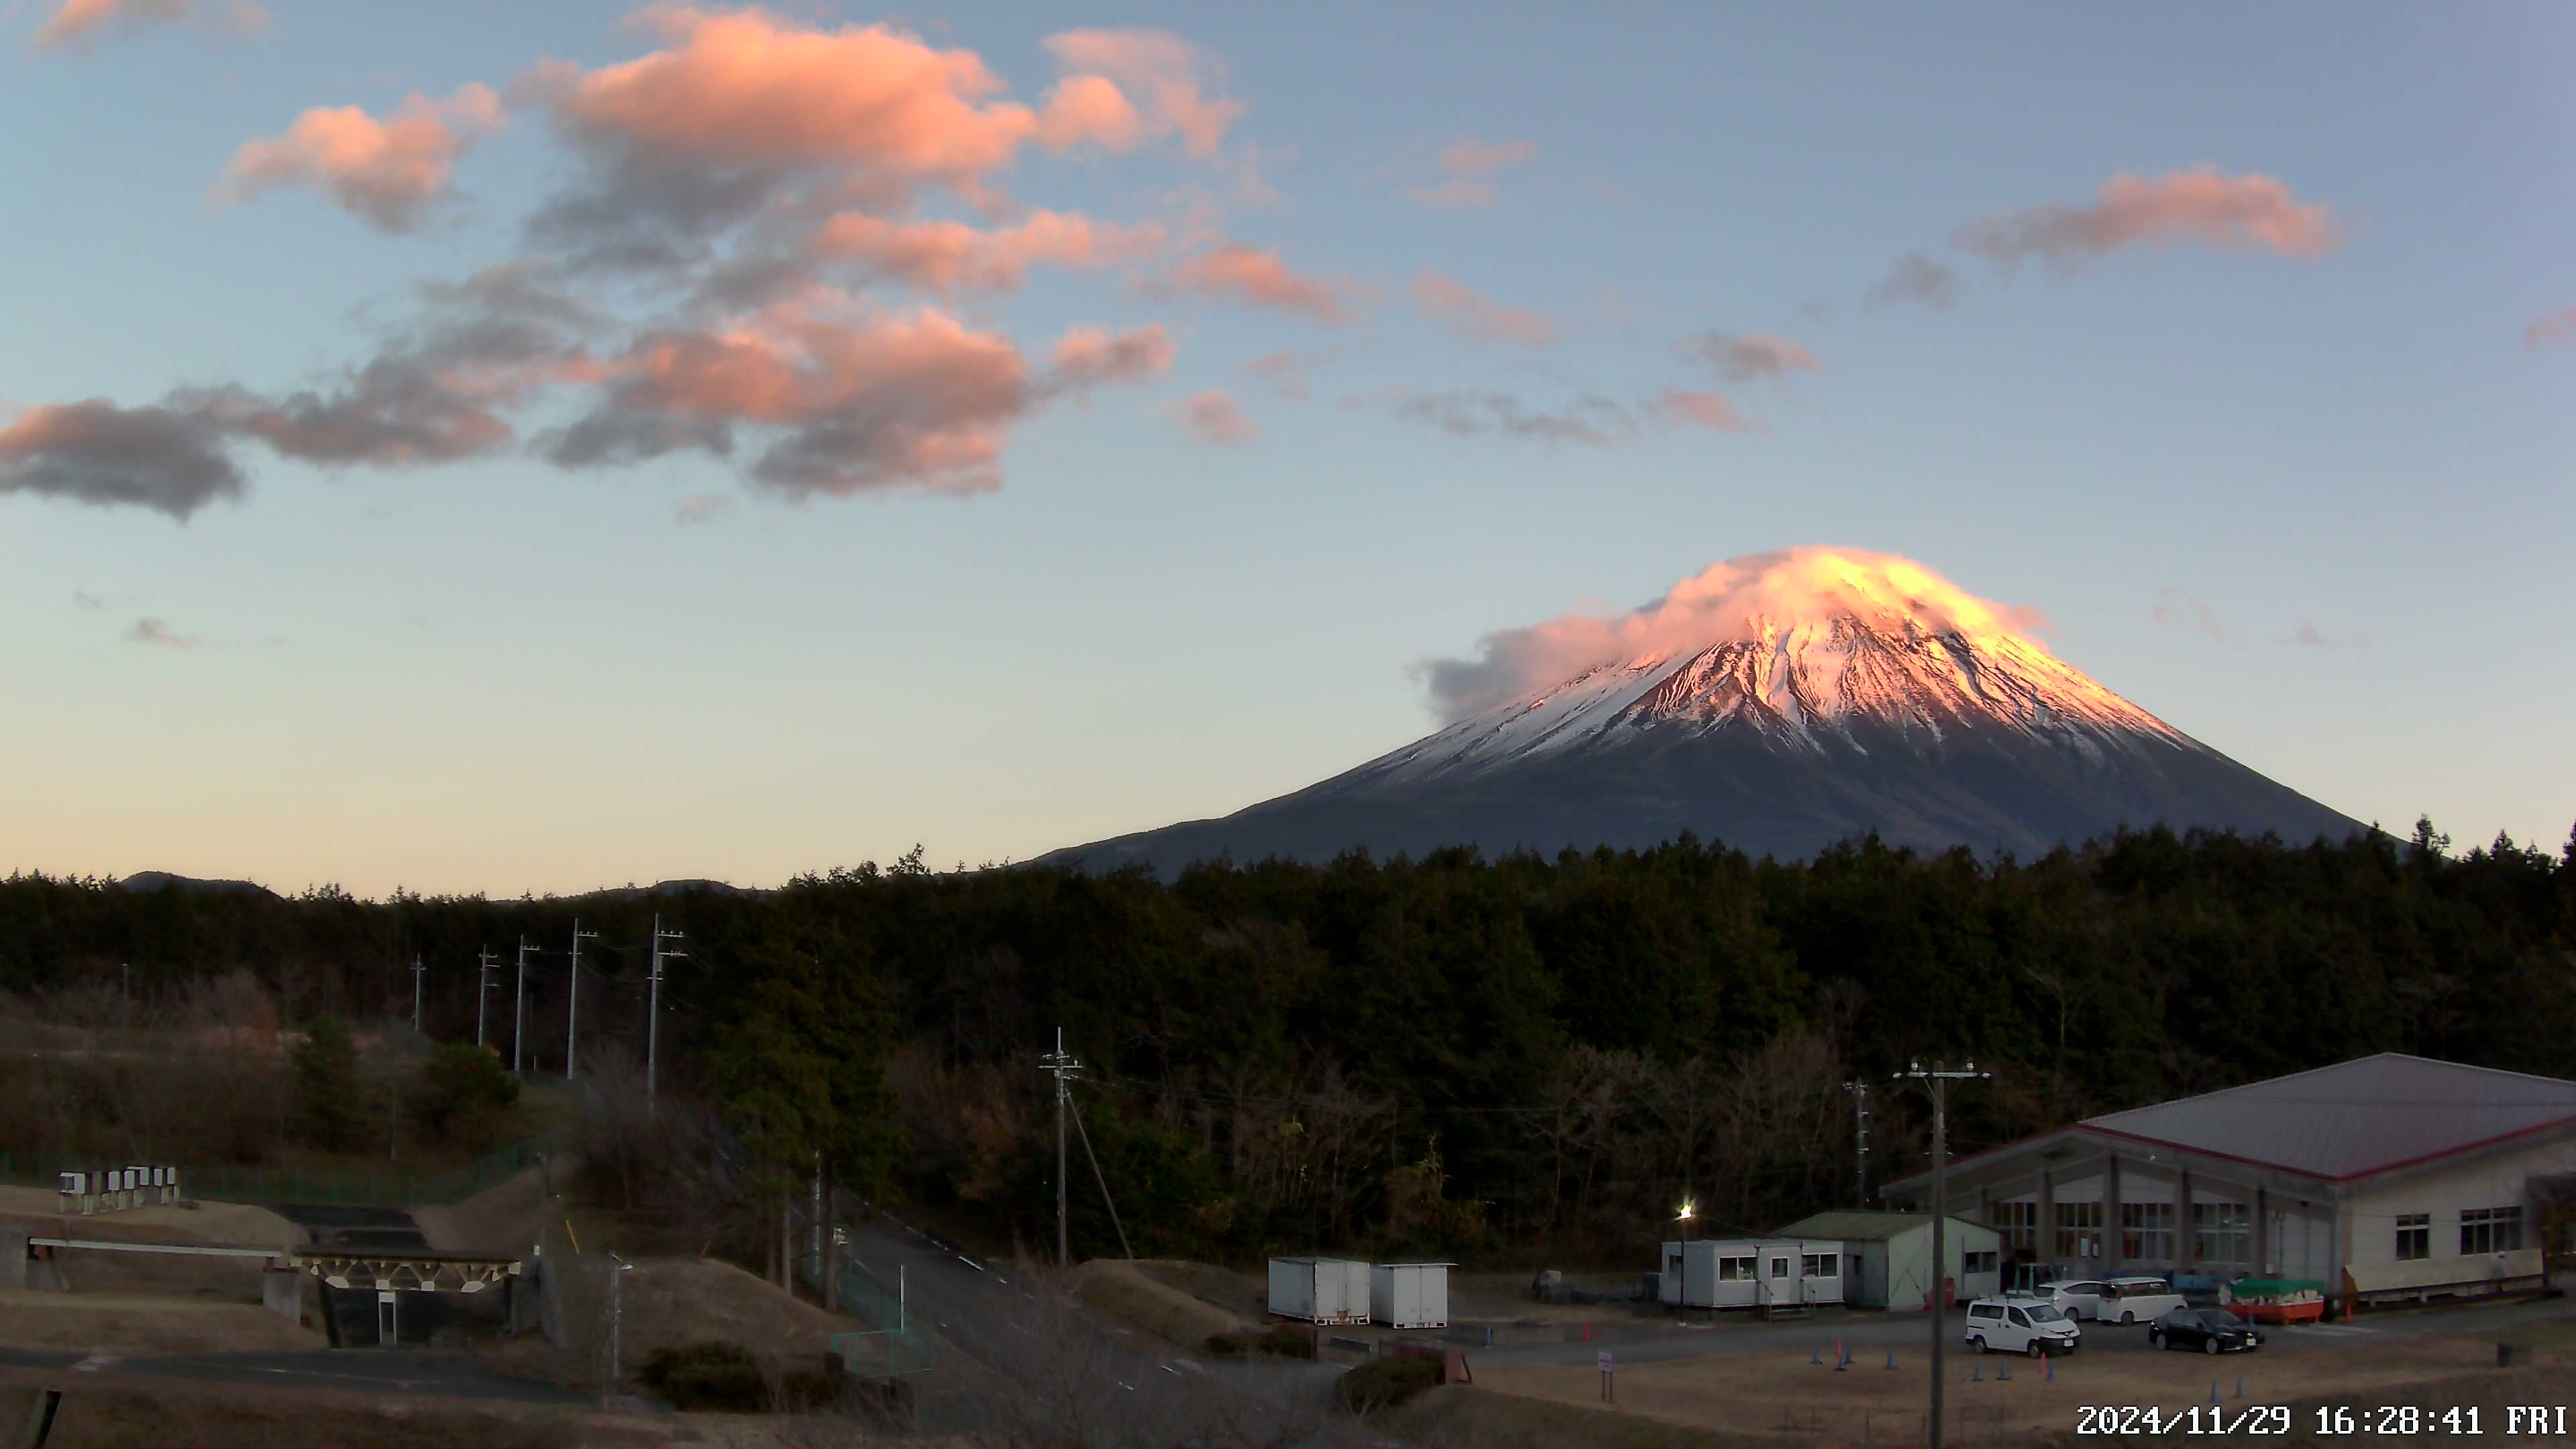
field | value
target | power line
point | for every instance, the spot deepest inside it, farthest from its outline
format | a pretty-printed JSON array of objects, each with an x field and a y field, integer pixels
[{"x": 653, "y": 1008}]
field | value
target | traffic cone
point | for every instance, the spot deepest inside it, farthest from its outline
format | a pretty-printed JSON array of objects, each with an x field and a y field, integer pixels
[
  {"x": 1891, "y": 1358},
  {"x": 2003, "y": 1373},
  {"x": 2240, "y": 1388},
  {"x": 2213, "y": 1392},
  {"x": 1976, "y": 1373},
  {"x": 1816, "y": 1355},
  {"x": 2048, "y": 1368}
]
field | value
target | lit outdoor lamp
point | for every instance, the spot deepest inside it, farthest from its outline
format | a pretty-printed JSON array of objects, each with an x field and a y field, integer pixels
[{"x": 1685, "y": 1217}]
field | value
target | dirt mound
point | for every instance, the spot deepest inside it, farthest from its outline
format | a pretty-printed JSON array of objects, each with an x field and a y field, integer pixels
[
  {"x": 505, "y": 1217},
  {"x": 1138, "y": 1296},
  {"x": 1245, "y": 1294},
  {"x": 666, "y": 1303},
  {"x": 144, "y": 1326}
]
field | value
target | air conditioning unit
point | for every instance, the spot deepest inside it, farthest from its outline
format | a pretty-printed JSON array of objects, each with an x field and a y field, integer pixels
[{"x": 75, "y": 1184}]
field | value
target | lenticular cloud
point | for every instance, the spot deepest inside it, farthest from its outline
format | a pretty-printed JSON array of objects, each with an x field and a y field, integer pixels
[{"x": 1742, "y": 598}]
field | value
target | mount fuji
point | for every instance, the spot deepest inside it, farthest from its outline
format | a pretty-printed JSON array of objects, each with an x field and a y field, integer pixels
[{"x": 1776, "y": 704}]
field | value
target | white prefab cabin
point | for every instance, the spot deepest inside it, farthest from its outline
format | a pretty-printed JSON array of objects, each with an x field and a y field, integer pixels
[
  {"x": 1751, "y": 1272},
  {"x": 1410, "y": 1295},
  {"x": 1321, "y": 1290},
  {"x": 1887, "y": 1258}
]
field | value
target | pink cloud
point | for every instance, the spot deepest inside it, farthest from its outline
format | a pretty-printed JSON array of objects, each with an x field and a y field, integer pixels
[
  {"x": 1088, "y": 108},
  {"x": 1169, "y": 72},
  {"x": 1457, "y": 191},
  {"x": 1211, "y": 417},
  {"x": 842, "y": 398},
  {"x": 79, "y": 22},
  {"x": 1284, "y": 372},
  {"x": 387, "y": 172},
  {"x": 1256, "y": 276},
  {"x": 1460, "y": 308},
  {"x": 1466, "y": 162},
  {"x": 1750, "y": 356},
  {"x": 2555, "y": 328},
  {"x": 1088, "y": 357},
  {"x": 702, "y": 508},
  {"x": 1741, "y": 598},
  {"x": 950, "y": 257},
  {"x": 2235, "y": 212},
  {"x": 1471, "y": 157},
  {"x": 1700, "y": 409}
]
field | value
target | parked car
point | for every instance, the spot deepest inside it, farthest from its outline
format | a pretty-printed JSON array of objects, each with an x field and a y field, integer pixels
[
  {"x": 2138, "y": 1300},
  {"x": 2206, "y": 1329},
  {"x": 2020, "y": 1325},
  {"x": 2074, "y": 1297},
  {"x": 2036, "y": 1278}
]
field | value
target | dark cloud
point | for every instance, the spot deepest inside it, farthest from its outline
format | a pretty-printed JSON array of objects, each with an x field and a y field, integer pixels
[
  {"x": 1917, "y": 278},
  {"x": 159, "y": 635},
  {"x": 1470, "y": 413},
  {"x": 1749, "y": 356},
  {"x": 170, "y": 458}
]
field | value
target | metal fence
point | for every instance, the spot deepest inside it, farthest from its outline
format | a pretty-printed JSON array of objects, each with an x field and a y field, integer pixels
[
  {"x": 889, "y": 1346},
  {"x": 224, "y": 1183}
]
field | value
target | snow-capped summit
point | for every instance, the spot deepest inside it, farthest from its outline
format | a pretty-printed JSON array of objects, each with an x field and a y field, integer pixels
[{"x": 1776, "y": 703}]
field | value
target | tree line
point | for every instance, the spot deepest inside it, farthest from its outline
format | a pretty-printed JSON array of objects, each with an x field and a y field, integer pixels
[{"x": 1518, "y": 1060}]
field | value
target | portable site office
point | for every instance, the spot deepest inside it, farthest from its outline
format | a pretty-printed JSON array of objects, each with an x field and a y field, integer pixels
[
  {"x": 1320, "y": 1290},
  {"x": 1751, "y": 1273}
]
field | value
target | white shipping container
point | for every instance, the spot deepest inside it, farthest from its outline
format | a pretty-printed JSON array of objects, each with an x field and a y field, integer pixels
[
  {"x": 1320, "y": 1290},
  {"x": 1410, "y": 1295}
]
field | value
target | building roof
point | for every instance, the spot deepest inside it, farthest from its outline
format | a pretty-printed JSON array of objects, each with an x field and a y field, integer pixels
[
  {"x": 2355, "y": 1118},
  {"x": 1854, "y": 1226}
]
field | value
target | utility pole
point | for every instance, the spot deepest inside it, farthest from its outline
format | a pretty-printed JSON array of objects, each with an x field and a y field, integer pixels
[
  {"x": 1860, "y": 1164},
  {"x": 653, "y": 1011},
  {"x": 415, "y": 993},
  {"x": 482, "y": 991},
  {"x": 572, "y": 1022},
  {"x": 1066, "y": 1070},
  {"x": 1940, "y": 1077},
  {"x": 519, "y": 1010},
  {"x": 125, "y": 993}
]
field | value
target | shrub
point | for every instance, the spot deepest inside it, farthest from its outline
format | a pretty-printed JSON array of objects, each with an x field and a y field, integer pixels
[
  {"x": 1286, "y": 1343},
  {"x": 1383, "y": 1383},
  {"x": 719, "y": 1376},
  {"x": 1228, "y": 1345}
]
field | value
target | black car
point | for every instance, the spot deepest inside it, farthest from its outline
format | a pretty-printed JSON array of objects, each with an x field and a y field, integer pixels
[{"x": 2206, "y": 1329}]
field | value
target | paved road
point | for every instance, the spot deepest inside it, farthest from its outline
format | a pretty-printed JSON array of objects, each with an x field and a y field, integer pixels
[{"x": 436, "y": 1374}]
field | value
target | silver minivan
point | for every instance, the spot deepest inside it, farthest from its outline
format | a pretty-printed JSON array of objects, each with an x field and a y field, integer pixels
[{"x": 2021, "y": 1325}]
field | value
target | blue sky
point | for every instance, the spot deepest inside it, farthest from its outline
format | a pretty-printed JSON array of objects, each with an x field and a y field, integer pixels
[{"x": 2182, "y": 445}]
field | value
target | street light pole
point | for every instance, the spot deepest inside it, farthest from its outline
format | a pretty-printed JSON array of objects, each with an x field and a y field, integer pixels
[{"x": 1940, "y": 1077}]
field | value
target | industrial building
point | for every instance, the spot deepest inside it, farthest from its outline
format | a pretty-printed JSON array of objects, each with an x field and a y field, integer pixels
[
  {"x": 1887, "y": 1258},
  {"x": 2387, "y": 1178}
]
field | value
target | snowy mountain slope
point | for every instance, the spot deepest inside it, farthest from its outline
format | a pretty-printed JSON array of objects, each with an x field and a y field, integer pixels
[{"x": 1794, "y": 700}]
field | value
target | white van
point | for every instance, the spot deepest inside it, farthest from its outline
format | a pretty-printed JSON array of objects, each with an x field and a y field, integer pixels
[
  {"x": 2138, "y": 1300},
  {"x": 2021, "y": 1325}
]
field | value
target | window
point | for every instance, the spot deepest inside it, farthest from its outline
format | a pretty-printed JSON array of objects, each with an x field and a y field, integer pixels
[
  {"x": 2414, "y": 1236},
  {"x": 2019, "y": 1319},
  {"x": 2490, "y": 1230},
  {"x": 2218, "y": 1232},
  {"x": 2079, "y": 1230},
  {"x": 2147, "y": 1231},
  {"x": 1819, "y": 1265},
  {"x": 2018, "y": 1222},
  {"x": 1779, "y": 1267},
  {"x": 1977, "y": 1262},
  {"x": 1734, "y": 1270}
]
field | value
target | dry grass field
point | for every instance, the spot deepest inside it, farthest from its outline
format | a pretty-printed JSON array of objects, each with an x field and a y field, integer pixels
[
  {"x": 145, "y": 1325},
  {"x": 1145, "y": 1297}
]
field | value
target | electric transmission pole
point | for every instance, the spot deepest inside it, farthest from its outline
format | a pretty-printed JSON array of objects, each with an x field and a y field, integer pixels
[
  {"x": 653, "y": 1011},
  {"x": 1940, "y": 1078},
  {"x": 1860, "y": 1122},
  {"x": 482, "y": 991},
  {"x": 1066, "y": 1070},
  {"x": 519, "y": 1011},
  {"x": 415, "y": 993},
  {"x": 572, "y": 1021}
]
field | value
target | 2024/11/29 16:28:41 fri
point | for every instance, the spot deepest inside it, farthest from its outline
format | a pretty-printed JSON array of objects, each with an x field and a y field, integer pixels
[{"x": 2261, "y": 1419}]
